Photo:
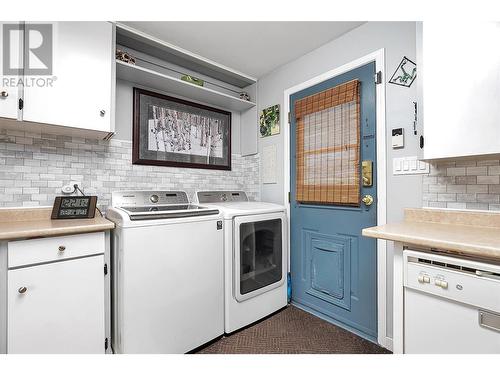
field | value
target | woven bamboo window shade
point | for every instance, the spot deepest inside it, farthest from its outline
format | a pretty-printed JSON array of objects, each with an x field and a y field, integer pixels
[{"x": 328, "y": 137}]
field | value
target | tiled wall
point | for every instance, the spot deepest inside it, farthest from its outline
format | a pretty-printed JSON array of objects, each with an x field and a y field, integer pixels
[
  {"x": 34, "y": 167},
  {"x": 467, "y": 184}
]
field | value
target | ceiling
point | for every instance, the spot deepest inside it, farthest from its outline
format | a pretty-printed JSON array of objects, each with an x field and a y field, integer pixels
[{"x": 253, "y": 48}]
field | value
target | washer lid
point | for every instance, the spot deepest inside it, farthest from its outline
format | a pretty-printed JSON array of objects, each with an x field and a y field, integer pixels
[
  {"x": 167, "y": 211},
  {"x": 231, "y": 209}
]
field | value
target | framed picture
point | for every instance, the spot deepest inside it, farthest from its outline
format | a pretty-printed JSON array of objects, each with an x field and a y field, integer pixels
[
  {"x": 405, "y": 73},
  {"x": 177, "y": 133},
  {"x": 269, "y": 121}
]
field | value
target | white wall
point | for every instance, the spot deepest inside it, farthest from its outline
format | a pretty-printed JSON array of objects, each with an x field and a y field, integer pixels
[{"x": 398, "y": 39}]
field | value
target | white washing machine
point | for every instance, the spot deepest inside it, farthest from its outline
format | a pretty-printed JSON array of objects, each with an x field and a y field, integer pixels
[
  {"x": 255, "y": 256},
  {"x": 167, "y": 272}
]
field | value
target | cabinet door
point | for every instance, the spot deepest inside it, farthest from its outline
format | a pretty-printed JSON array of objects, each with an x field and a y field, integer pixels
[
  {"x": 82, "y": 92},
  {"x": 461, "y": 87},
  {"x": 61, "y": 309},
  {"x": 9, "y": 91}
]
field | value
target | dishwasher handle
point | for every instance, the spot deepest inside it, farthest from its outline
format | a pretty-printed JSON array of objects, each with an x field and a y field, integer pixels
[
  {"x": 487, "y": 275},
  {"x": 489, "y": 320}
]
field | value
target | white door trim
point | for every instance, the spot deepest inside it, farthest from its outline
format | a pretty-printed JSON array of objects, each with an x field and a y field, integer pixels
[{"x": 379, "y": 58}]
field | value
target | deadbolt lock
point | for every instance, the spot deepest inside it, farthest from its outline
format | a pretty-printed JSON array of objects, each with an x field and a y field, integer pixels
[
  {"x": 367, "y": 172},
  {"x": 367, "y": 200}
]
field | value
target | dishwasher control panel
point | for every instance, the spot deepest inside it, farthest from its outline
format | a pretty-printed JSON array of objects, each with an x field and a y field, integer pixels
[
  {"x": 457, "y": 279},
  {"x": 428, "y": 276}
]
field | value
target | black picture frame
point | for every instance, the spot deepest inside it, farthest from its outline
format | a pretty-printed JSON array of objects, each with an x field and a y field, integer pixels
[
  {"x": 155, "y": 122},
  {"x": 409, "y": 77}
]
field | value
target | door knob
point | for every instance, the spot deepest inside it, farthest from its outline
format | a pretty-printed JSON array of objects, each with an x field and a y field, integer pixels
[
  {"x": 22, "y": 290},
  {"x": 367, "y": 200},
  {"x": 102, "y": 112},
  {"x": 4, "y": 94}
]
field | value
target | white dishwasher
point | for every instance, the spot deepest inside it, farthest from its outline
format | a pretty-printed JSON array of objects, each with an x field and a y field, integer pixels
[{"x": 451, "y": 305}]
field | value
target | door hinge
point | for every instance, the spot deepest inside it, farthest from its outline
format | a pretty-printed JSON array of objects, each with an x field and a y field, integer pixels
[
  {"x": 378, "y": 77},
  {"x": 289, "y": 118},
  {"x": 21, "y": 104},
  {"x": 106, "y": 343},
  {"x": 105, "y": 269},
  {"x": 289, "y": 197}
]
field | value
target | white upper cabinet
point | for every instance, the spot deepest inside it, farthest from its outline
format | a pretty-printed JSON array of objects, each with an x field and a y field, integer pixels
[
  {"x": 83, "y": 77},
  {"x": 9, "y": 91},
  {"x": 459, "y": 74}
]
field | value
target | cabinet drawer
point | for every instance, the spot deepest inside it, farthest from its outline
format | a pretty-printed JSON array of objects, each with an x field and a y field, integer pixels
[{"x": 40, "y": 250}]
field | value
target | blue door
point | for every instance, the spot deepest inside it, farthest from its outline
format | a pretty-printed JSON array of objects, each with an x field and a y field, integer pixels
[{"x": 334, "y": 268}]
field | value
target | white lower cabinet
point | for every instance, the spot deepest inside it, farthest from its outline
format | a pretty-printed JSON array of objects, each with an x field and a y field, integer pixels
[{"x": 57, "y": 307}]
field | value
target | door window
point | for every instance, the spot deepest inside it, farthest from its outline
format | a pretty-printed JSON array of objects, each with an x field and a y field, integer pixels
[
  {"x": 327, "y": 148},
  {"x": 260, "y": 254}
]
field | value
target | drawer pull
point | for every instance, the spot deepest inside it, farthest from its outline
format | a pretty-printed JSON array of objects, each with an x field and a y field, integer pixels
[
  {"x": 22, "y": 290},
  {"x": 62, "y": 248}
]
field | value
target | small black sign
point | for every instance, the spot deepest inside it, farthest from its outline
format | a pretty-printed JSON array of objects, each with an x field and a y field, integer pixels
[{"x": 219, "y": 224}]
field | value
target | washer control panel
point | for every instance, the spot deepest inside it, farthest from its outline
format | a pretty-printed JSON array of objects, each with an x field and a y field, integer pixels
[
  {"x": 148, "y": 198},
  {"x": 221, "y": 196}
]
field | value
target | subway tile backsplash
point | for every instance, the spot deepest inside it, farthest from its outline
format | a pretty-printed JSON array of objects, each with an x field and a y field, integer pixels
[
  {"x": 467, "y": 184},
  {"x": 34, "y": 167}
]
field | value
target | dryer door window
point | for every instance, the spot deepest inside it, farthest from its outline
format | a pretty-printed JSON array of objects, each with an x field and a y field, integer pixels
[{"x": 260, "y": 254}]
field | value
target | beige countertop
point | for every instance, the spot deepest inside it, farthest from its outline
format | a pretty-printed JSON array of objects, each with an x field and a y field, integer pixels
[
  {"x": 468, "y": 233},
  {"x": 17, "y": 223}
]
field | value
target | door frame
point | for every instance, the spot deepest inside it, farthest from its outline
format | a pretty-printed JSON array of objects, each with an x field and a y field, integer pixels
[{"x": 378, "y": 57}]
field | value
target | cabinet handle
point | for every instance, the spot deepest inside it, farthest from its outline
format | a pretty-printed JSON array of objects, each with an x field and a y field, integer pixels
[
  {"x": 22, "y": 290},
  {"x": 62, "y": 248},
  {"x": 102, "y": 112},
  {"x": 4, "y": 94}
]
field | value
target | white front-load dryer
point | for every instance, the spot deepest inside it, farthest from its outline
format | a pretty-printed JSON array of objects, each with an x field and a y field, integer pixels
[{"x": 255, "y": 256}]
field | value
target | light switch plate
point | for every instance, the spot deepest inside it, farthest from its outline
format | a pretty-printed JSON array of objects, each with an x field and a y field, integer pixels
[
  {"x": 398, "y": 138},
  {"x": 409, "y": 165}
]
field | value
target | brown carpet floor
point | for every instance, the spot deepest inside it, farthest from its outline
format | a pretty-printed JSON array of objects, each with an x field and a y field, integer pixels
[{"x": 292, "y": 331}]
